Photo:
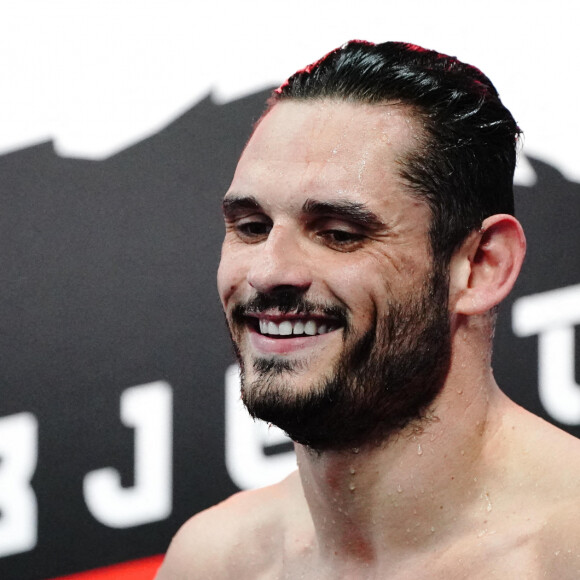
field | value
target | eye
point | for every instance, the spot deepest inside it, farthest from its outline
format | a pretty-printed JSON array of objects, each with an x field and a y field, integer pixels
[
  {"x": 341, "y": 239},
  {"x": 252, "y": 230}
]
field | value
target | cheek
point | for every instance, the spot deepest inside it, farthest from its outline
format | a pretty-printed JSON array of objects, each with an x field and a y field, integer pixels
[
  {"x": 229, "y": 276},
  {"x": 361, "y": 289}
]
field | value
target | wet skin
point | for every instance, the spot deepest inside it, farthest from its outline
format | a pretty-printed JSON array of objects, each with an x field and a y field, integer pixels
[
  {"x": 316, "y": 205},
  {"x": 487, "y": 490}
]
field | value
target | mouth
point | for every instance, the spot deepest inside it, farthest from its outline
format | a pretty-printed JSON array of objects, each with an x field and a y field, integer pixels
[
  {"x": 297, "y": 329},
  {"x": 288, "y": 335},
  {"x": 290, "y": 327}
]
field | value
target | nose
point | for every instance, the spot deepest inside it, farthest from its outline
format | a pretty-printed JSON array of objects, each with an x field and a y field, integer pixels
[{"x": 280, "y": 263}]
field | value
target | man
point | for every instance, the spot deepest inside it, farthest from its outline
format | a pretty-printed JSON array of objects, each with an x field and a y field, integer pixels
[{"x": 369, "y": 238}]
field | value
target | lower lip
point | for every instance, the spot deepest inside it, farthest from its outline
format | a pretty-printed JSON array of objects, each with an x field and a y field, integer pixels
[{"x": 268, "y": 345}]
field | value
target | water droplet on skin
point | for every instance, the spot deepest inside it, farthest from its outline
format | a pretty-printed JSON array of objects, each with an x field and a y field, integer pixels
[
  {"x": 460, "y": 391},
  {"x": 356, "y": 450},
  {"x": 352, "y": 470},
  {"x": 399, "y": 488},
  {"x": 432, "y": 529},
  {"x": 352, "y": 487},
  {"x": 485, "y": 496},
  {"x": 462, "y": 452},
  {"x": 419, "y": 449}
]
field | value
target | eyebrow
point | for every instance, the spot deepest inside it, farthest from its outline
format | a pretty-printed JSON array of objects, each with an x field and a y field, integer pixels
[
  {"x": 344, "y": 209},
  {"x": 353, "y": 211},
  {"x": 235, "y": 203}
]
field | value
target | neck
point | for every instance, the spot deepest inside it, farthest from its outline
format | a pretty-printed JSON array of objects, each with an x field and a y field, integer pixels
[{"x": 401, "y": 495}]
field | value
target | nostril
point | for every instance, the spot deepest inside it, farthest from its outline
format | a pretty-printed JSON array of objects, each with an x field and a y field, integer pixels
[{"x": 280, "y": 282}]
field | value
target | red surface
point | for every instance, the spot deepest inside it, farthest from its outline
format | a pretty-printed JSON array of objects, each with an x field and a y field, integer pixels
[{"x": 144, "y": 569}]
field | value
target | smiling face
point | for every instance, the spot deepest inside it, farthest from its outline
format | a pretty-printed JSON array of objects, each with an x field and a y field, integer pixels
[{"x": 338, "y": 318}]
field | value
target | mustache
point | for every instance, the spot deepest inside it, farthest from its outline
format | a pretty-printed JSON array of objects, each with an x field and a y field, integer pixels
[{"x": 285, "y": 301}]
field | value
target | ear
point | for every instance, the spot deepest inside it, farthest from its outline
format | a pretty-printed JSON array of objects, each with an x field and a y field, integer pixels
[{"x": 484, "y": 269}]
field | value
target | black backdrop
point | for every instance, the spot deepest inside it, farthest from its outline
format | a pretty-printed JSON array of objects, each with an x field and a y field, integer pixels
[{"x": 108, "y": 282}]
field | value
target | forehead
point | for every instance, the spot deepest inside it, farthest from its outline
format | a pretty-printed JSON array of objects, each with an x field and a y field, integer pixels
[{"x": 322, "y": 148}]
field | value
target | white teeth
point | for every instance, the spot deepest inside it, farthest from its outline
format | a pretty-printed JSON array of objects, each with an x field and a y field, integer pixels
[
  {"x": 285, "y": 328},
  {"x": 310, "y": 328},
  {"x": 296, "y": 328}
]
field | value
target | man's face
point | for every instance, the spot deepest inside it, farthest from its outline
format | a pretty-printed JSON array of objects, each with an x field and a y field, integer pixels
[{"x": 338, "y": 316}]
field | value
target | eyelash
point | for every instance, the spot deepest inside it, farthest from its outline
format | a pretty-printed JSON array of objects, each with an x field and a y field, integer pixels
[
  {"x": 349, "y": 240},
  {"x": 256, "y": 231},
  {"x": 252, "y": 231}
]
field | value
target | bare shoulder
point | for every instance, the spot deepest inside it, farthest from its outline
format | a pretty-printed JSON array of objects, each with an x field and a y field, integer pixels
[
  {"x": 559, "y": 539},
  {"x": 544, "y": 463},
  {"x": 559, "y": 543},
  {"x": 243, "y": 535},
  {"x": 550, "y": 453}
]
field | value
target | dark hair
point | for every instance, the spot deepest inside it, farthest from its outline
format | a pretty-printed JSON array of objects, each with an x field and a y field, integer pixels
[{"x": 464, "y": 164}]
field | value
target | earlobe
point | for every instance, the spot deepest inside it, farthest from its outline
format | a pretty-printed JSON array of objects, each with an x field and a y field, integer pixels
[{"x": 484, "y": 270}]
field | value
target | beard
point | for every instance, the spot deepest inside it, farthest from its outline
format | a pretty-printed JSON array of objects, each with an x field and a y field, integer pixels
[{"x": 384, "y": 379}]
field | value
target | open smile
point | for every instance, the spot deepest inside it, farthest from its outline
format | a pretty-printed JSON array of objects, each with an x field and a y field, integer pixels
[
  {"x": 282, "y": 334},
  {"x": 294, "y": 327}
]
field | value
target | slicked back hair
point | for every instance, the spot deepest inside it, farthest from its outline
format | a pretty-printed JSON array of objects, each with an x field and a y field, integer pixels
[{"x": 464, "y": 163}]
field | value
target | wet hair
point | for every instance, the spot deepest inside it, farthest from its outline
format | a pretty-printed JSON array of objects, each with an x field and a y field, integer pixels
[{"x": 463, "y": 163}]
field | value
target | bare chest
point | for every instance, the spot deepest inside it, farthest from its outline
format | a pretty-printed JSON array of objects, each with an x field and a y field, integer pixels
[{"x": 484, "y": 559}]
